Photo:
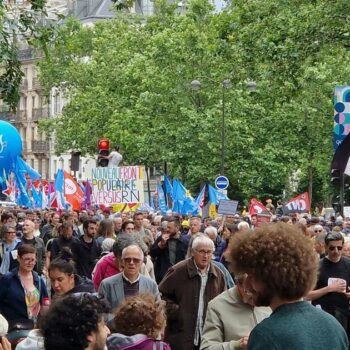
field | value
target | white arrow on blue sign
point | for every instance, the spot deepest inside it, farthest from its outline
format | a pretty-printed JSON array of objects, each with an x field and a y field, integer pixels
[{"x": 221, "y": 182}]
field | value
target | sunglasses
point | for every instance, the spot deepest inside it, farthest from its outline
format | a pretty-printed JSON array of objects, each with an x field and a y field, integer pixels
[
  {"x": 318, "y": 231},
  {"x": 130, "y": 260},
  {"x": 339, "y": 247}
]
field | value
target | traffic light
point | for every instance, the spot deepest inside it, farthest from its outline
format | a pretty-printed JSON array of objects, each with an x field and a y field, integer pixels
[
  {"x": 103, "y": 150},
  {"x": 335, "y": 177},
  {"x": 75, "y": 160}
]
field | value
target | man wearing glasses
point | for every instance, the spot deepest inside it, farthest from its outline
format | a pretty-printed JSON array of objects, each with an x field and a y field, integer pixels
[
  {"x": 130, "y": 282},
  {"x": 332, "y": 288},
  {"x": 187, "y": 288}
]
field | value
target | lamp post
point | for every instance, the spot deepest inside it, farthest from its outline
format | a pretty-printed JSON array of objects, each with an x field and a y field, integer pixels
[{"x": 225, "y": 84}]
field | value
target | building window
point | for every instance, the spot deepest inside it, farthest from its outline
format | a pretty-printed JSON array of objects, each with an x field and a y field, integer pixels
[{"x": 40, "y": 166}]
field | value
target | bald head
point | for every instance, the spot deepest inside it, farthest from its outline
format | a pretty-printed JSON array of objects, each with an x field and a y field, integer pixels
[{"x": 28, "y": 229}]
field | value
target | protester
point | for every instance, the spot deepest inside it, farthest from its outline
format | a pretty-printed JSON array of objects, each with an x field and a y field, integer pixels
[
  {"x": 228, "y": 278},
  {"x": 29, "y": 238},
  {"x": 333, "y": 281},
  {"x": 8, "y": 249},
  {"x": 139, "y": 323},
  {"x": 231, "y": 316},
  {"x": 130, "y": 282},
  {"x": 219, "y": 243},
  {"x": 64, "y": 240},
  {"x": 64, "y": 279},
  {"x": 168, "y": 249},
  {"x": 195, "y": 226},
  {"x": 117, "y": 222},
  {"x": 105, "y": 230},
  {"x": 23, "y": 292},
  {"x": 48, "y": 230},
  {"x": 75, "y": 322},
  {"x": 139, "y": 226},
  {"x": 187, "y": 288},
  {"x": 86, "y": 250},
  {"x": 281, "y": 267}
]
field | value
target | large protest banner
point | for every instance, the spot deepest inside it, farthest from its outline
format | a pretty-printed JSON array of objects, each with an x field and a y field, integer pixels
[{"x": 117, "y": 185}]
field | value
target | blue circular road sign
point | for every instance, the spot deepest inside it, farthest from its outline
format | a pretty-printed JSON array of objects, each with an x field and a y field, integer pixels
[{"x": 221, "y": 182}]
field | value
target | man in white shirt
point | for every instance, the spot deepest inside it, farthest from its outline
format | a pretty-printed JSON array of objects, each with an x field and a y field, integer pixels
[{"x": 114, "y": 158}]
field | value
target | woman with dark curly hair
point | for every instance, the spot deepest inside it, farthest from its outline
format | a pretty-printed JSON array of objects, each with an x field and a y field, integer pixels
[
  {"x": 281, "y": 264},
  {"x": 139, "y": 323}
]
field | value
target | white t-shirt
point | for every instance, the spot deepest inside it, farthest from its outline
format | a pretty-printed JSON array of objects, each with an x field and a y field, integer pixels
[{"x": 115, "y": 159}]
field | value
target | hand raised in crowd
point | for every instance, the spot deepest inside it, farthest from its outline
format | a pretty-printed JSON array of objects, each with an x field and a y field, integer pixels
[
  {"x": 5, "y": 344},
  {"x": 243, "y": 342},
  {"x": 164, "y": 239}
]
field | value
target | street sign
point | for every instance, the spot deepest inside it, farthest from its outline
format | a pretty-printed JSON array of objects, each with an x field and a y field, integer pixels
[{"x": 221, "y": 182}]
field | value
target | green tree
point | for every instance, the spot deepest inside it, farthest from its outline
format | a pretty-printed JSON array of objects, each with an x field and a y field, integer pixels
[
  {"x": 129, "y": 79},
  {"x": 19, "y": 21}
]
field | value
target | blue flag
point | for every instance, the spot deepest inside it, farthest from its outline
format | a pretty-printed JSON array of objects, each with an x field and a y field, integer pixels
[
  {"x": 179, "y": 195},
  {"x": 38, "y": 198},
  {"x": 59, "y": 189},
  {"x": 161, "y": 199},
  {"x": 199, "y": 203},
  {"x": 215, "y": 196},
  {"x": 168, "y": 186},
  {"x": 189, "y": 206}
]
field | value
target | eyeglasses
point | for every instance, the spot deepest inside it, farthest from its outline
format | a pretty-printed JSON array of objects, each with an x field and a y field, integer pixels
[
  {"x": 130, "y": 260},
  {"x": 11, "y": 232},
  {"x": 332, "y": 247},
  {"x": 28, "y": 260},
  {"x": 204, "y": 252}
]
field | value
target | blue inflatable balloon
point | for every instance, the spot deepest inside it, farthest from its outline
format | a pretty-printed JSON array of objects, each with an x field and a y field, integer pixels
[{"x": 10, "y": 146}]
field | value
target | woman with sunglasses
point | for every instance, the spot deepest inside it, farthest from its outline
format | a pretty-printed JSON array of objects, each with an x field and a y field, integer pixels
[
  {"x": 23, "y": 292},
  {"x": 8, "y": 249}
]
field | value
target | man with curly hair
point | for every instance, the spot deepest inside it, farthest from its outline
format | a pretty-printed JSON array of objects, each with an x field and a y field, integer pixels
[
  {"x": 281, "y": 265},
  {"x": 75, "y": 323}
]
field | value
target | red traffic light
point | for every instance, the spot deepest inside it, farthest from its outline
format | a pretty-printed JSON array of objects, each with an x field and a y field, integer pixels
[{"x": 103, "y": 144}]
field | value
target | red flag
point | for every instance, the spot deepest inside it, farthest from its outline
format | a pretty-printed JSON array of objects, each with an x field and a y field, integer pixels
[
  {"x": 72, "y": 191},
  {"x": 256, "y": 207},
  {"x": 298, "y": 204}
]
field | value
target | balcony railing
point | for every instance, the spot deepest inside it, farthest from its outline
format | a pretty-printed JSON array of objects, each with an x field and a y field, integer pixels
[
  {"x": 40, "y": 147},
  {"x": 19, "y": 117},
  {"x": 6, "y": 115},
  {"x": 39, "y": 113}
]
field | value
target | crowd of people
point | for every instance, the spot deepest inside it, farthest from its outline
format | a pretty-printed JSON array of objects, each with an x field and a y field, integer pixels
[{"x": 95, "y": 280}]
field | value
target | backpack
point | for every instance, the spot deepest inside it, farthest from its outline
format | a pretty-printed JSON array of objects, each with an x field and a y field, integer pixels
[{"x": 146, "y": 344}]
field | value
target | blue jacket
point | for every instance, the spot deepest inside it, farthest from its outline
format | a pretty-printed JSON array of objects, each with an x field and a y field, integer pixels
[{"x": 12, "y": 297}]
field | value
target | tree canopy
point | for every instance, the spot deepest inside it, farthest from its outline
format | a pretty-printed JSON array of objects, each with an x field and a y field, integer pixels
[{"x": 129, "y": 79}]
